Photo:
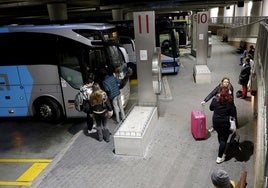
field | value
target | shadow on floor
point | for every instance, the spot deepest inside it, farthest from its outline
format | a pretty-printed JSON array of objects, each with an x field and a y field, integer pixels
[{"x": 241, "y": 153}]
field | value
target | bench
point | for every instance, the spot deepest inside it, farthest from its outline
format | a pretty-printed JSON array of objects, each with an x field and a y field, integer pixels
[
  {"x": 135, "y": 133},
  {"x": 202, "y": 74}
]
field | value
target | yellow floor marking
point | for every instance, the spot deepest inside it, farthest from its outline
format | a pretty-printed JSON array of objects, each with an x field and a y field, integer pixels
[
  {"x": 15, "y": 183},
  {"x": 32, "y": 172},
  {"x": 133, "y": 82},
  {"x": 25, "y": 160}
]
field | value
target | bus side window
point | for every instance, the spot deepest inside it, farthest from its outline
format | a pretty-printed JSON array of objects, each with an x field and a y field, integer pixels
[{"x": 166, "y": 45}]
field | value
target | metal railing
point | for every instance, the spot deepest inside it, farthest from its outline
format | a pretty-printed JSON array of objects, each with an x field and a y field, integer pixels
[
  {"x": 239, "y": 27},
  {"x": 236, "y": 21}
]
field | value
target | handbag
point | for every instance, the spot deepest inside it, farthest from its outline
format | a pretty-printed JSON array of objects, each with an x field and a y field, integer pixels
[
  {"x": 238, "y": 94},
  {"x": 232, "y": 124},
  {"x": 234, "y": 140}
]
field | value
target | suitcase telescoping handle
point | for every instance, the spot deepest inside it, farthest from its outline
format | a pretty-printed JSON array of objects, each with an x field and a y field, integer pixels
[{"x": 203, "y": 108}]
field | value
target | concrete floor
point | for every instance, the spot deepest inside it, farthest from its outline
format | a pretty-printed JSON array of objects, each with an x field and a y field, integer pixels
[{"x": 174, "y": 159}]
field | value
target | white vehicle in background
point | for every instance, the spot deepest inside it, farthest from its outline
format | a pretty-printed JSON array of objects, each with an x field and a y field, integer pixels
[{"x": 166, "y": 36}]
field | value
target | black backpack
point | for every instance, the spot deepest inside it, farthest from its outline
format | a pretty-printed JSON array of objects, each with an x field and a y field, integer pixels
[{"x": 238, "y": 94}]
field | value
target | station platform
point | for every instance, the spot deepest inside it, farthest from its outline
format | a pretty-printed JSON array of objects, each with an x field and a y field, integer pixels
[{"x": 174, "y": 159}]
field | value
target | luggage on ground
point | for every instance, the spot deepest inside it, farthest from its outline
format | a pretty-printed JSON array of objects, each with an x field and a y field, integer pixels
[
  {"x": 198, "y": 124},
  {"x": 238, "y": 94}
]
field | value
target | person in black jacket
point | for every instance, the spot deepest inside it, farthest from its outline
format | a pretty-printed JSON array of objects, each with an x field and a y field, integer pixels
[
  {"x": 223, "y": 108},
  {"x": 244, "y": 77},
  {"x": 251, "y": 50},
  {"x": 225, "y": 82}
]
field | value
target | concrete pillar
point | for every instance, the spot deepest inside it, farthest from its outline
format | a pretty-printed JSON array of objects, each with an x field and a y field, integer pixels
[
  {"x": 256, "y": 8},
  {"x": 246, "y": 9},
  {"x": 264, "y": 8},
  {"x": 193, "y": 33},
  {"x": 128, "y": 16},
  {"x": 221, "y": 12},
  {"x": 229, "y": 13},
  {"x": 117, "y": 14},
  {"x": 57, "y": 11},
  {"x": 144, "y": 27},
  {"x": 188, "y": 28},
  {"x": 201, "y": 71},
  {"x": 202, "y": 38},
  {"x": 240, "y": 11}
]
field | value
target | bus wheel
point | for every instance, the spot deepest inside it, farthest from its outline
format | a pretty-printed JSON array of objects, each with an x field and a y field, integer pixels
[{"x": 48, "y": 110}]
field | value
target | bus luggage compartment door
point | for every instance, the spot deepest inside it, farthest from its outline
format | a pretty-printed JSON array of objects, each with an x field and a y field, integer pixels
[{"x": 12, "y": 94}]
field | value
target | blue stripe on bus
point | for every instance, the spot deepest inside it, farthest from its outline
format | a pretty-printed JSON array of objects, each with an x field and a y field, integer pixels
[
  {"x": 172, "y": 68},
  {"x": 169, "y": 60},
  {"x": 16, "y": 90},
  {"x": 27, "y": 82},
  {"x": 4, "y": 30}
]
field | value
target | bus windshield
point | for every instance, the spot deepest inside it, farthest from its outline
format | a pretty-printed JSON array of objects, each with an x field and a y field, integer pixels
[{"x": 169, "y": 42}]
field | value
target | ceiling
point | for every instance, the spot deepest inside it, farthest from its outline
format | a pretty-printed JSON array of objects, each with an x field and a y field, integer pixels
[{"x": 36, "y": 11}]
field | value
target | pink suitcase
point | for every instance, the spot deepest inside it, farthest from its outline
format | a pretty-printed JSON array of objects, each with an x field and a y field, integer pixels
[{"x": 198, "y": 124}]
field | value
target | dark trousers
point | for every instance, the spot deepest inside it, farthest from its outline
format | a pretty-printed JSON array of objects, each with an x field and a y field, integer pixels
[
  {"x": 223, "y": 135},
  {"x": 101, "y": 126},
  {"x": 89, "y": 122}
]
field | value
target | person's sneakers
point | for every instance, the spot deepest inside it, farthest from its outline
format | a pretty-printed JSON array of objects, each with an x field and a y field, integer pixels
[
  {"x": 116, "y": 122},
  {"x": 220, "y": 159},
  {"x": 91, "y": 131},
  {"x": 211, "y": 129}
]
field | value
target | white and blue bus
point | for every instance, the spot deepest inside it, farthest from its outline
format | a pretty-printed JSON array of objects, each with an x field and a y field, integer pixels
[
  {"x": 166, "y": 36},
  {"x": 42, "y": 67}
]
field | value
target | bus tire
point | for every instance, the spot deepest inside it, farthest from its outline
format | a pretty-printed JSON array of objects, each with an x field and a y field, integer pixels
[{"x": 48, "y": 110}]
